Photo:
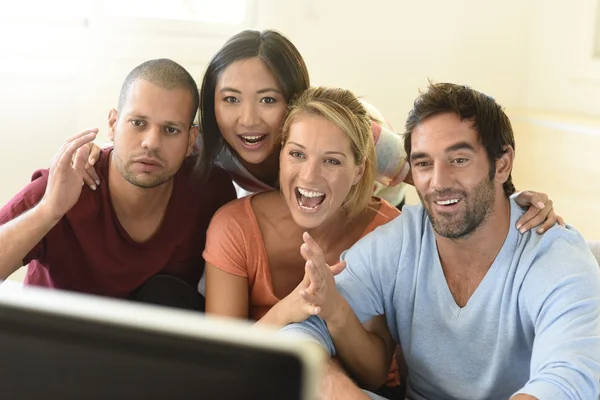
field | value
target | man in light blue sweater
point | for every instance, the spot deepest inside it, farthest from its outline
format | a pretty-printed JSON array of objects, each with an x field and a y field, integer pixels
[{"x": 480, "y": 311}]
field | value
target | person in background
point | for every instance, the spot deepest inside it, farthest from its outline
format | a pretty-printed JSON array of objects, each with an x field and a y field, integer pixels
[{"x": 140, "y": 234}]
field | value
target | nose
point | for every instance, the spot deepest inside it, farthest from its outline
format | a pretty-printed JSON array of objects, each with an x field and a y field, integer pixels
[
  {"x": 310, "y": 172},
  {"x": 151, "y": 139},
  {"x": 249, "y": 115},
  {"x": 441, "y": 177}
]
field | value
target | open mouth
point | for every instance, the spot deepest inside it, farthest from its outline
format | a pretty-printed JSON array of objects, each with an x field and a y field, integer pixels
[
  {"x": 447, "y": 203},
  {"x": 309, "y": 200},
  {"x": 252, "y": 140}
]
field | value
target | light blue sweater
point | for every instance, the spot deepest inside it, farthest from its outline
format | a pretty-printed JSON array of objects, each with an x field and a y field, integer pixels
[{"x": 532, "y": 326}]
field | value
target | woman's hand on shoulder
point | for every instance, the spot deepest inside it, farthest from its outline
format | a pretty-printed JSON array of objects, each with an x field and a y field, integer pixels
[{"x": 540, "y": 212}]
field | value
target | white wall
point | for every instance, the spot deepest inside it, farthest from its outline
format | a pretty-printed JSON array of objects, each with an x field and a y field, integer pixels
[
  {"x": 562, "y": 74},
  {"x": 387, "y": 49}
]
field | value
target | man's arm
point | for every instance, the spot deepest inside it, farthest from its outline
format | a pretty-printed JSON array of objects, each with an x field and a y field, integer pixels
[
  {"x": 365, "y": 353},
  {"x": 336, "y": 385},
  {"x": 20, "y": 235},
  {"x": 561, "y": 295},
  {"x": 365, "y": 350}
]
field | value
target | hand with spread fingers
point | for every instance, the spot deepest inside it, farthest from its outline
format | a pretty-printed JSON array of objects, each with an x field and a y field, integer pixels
[
  {"x": 321, "y": 293},
  {"x": 540, "y": 211},
  {"x": 65, "y": 178}
]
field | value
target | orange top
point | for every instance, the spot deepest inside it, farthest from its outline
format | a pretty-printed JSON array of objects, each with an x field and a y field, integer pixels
[{"x": 235, "y": 245}]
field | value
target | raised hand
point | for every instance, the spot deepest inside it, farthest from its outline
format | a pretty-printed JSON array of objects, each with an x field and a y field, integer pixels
[
  {"x": 293, "y": 308},
  {"x": 321, "y": 292},
  {"x": 66, "y": 174}
]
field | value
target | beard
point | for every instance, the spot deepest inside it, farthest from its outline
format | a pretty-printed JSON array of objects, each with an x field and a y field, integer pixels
[
  {"x": 142, "y": 181},
  {"x": 477, "y": 207}
]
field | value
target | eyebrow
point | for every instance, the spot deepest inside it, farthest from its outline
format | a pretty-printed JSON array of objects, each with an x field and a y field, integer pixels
[
  {"x": 453, "y": 148},
  {"x": 166, "y": 123},
  {"x": 327, "y": 152},
  {"x": 460, "y": 146},
  {"x": 261, "y": 91}
]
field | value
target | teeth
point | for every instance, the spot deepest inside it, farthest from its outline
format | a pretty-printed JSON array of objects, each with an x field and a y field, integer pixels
[
  {"x": 447, "y": 202},
  {"x": 310, "y": 193},
  {"x": 252, "y": 137},
  {"x": 305, "y": 208}
]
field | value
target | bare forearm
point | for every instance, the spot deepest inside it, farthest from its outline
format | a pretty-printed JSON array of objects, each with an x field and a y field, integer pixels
[
  {"x": 273, "y": 318},
  {"x": 362, "y": 353},
  {"x": 337, "y": 385},
  {"x": 19, "y": 236}
]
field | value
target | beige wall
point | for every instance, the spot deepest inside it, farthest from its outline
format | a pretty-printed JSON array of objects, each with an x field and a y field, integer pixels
[
  {"x": 386, "y": 50},
  {"x": 562, "y": 75}
]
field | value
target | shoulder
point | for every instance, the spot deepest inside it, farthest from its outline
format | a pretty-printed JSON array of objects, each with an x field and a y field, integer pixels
[
  {"x": 413, "y": 220},
  {"x": 563, "y": 249},
  {"x": 557, "y": 265},
  {"x": 235, "y": 213},
  {"x": 189, "y": 173},
  {"x": 215, "y": 187},
  {"x": 381, "y": 215},
  {"x": 103, "y": 162},
  {"x": 230, "y": 228},
  {"x": 27, "y": 198},
  {"x": 388, "y": 211},
  {"x": 394, "y": 235},
  {"x": 218, "y": 176}
]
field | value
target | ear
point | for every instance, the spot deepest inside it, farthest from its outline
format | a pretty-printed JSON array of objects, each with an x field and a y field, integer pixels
[
  {"x": 192, "y": 139},
  {"x": 113, "y": 116},
  {"x": 359, "y": 173},
  {"x": 504, "y": 164}
]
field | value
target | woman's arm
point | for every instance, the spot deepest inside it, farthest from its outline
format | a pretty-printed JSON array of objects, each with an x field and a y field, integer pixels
[{"x": 226, "y": 294}]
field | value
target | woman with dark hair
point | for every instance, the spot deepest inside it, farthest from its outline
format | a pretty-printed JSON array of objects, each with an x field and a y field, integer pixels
[{"x": 244, "y": 97}]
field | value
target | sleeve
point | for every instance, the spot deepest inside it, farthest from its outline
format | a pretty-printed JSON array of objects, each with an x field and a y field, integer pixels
[
  {"x": 363, "y": 283},
  {"x": 225, "y": 241},
  {"x": 392, "y": 165},
  {"x": 561, "y": 294},
  {"x": 25, "y": 200}
]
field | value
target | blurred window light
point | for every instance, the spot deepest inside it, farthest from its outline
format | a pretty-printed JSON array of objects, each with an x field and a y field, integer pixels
[
  {"x": 45, "y": 8},
  {"x": 208, "y": 11},
  {"x": 230, "y": 12}
]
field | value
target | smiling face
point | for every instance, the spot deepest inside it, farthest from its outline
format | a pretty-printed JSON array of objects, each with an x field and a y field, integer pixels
[
  {"x": 250, "y": 108},
  {"x": 450, "y": 169},
  {"x": 152, "y": 133},
  {"x": 317, "y": 170}
]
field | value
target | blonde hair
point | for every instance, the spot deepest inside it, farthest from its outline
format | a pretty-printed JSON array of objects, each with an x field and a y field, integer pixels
[{"x": 342, "y": 108}]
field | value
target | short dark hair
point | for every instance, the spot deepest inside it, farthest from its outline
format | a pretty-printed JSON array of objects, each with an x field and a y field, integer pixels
[
  {"x": 487, "y": 116},
  {"x": 281, "y": 57},
  {"x": 166, "y": 74}
]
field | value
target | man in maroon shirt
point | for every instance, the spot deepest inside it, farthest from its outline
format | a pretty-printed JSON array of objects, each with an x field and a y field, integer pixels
[{"x": 147, "y": 215}]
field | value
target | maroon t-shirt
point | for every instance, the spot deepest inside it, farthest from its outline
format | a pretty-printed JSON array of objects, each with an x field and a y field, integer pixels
[{"x": 89, "y": 251}]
